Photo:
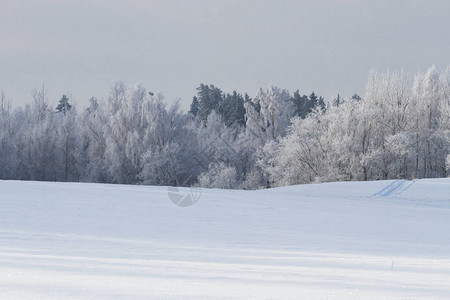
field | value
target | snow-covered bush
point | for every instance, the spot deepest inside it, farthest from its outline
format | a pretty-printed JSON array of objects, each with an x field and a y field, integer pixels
[{"x": 219, "y": 176}]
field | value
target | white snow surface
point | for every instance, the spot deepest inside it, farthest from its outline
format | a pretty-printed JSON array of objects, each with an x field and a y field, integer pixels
[{"x": 348, "y": 240}]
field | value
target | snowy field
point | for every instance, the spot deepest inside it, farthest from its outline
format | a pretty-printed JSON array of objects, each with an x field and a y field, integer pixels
[{"x": 380, "y": 240}]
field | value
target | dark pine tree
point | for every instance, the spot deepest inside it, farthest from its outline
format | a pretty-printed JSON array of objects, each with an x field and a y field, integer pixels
[
  {"x": 300, "y": 104},
  {"x": 239, "y": 110},
  {"x": 194, "y": 106},
  {"x": 231, "y": 109},
  {"x": 314, "y": 102},
  {"x": 64, "y": 105},
  {"x": 337, "y": 101},
  {"x": 209, "y": 99}
]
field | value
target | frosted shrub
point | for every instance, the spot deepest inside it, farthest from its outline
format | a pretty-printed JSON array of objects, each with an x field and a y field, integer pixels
[{"x": 219, "y": 176}]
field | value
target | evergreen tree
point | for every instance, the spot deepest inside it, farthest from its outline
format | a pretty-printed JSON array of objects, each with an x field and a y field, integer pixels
[
  {"x": 64, "y": 105},
  {"x": 300, "y": 104},
  {"x": 209, "y": 98},
  {"x": 314, "y": 102},
  {"x": 399, "y": 130},
  {"x": 239, "y": 110},
  {"x": 194, "y": 106},
  {"x": 231, "y": 109},
  {"x": 337, "y": 100},
  {"x": 303, "y": 105}
]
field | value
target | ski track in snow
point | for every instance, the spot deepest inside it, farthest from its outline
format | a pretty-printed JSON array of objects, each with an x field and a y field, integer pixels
[
  {"x": 396, "y": 187},
  {"x": 350, "y": 240}
]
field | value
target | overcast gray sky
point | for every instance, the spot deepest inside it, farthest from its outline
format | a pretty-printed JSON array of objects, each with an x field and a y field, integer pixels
[{"x": 82, "y": 47}]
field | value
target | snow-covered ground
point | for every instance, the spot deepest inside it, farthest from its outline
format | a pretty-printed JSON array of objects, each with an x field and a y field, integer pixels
[{"x": 385, "y": 239}]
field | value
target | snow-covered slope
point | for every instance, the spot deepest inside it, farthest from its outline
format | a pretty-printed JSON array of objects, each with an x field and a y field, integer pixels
[{"x": 384, "y": 239}]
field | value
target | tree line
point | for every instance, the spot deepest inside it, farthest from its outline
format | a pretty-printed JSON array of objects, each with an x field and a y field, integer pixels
[{"x": 399, "y": 129}]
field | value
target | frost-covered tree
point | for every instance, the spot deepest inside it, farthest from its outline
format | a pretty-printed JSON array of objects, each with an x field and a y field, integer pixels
[
  {"x": 432, "y": 145},
  {"x": 93, "y": 165},
  {"x": 390, "y": 98},
  {"x": 163, "y": 143},
  {"x": 400, "y": 129},
  {"x": 67, "y": 143},
  {"x": 218, "y": 143},
  {"x": 317, "y": 148},
  {"x": 219, "y": 176},
  {"x": 397, "y": 131},
  {"x": 161, "y": 166},
  {"x": 36, "y": 142},
  {"x": 268, "y": 117},
  {"x": 122, "y": 110},
  {"x": 7, "y": 157}
]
